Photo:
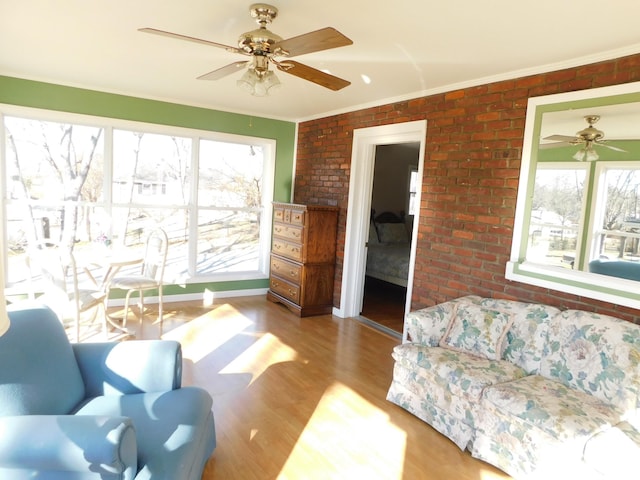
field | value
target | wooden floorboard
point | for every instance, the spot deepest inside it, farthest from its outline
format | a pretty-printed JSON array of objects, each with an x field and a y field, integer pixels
[
  {"x": 303, "y": 398},
  {"x": 384, "y": 303}
]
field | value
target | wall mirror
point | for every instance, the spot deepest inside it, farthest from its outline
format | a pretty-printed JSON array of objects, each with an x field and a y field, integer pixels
[{"x": 577, "y": 223}]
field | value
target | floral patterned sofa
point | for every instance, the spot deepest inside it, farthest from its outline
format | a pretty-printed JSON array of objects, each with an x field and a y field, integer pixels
[{"x": 537, "y": 392}]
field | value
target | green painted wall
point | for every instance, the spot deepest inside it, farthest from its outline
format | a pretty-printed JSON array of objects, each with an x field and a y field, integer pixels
[{"x": 28, "y": 93}]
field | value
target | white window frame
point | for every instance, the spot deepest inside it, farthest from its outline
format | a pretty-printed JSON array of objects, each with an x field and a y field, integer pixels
[
  {"x": 413, "y": 170},
  {"x": 599, "y": 287},
  {"x": 109, "y": 124}
]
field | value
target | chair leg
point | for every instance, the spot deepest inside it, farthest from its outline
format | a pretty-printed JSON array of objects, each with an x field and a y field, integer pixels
[
  {"x": 105, "y": 330},
  {"x": 141, "y": 306},
  {"x": 160, "y": 318},
  {"x": 126, "y": 307}
]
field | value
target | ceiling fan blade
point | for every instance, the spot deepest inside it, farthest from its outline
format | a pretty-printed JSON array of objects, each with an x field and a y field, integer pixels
[
  {"x": 610, "y": 147},
  {"x": 322, "y": 39},
  {"x": 313, "y": 75},
  {"x": 563, "y": 138},
  {"x": 155, "y": 31},
  {"x": 224, "y": 71},
  {"x": 546, "y": 146}
]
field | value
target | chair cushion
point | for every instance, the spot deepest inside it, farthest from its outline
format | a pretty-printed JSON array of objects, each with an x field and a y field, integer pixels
[
  {"x": 171, "y": 428},
  {"x": 38, "y": 370},
  {"x": 134, "y": 283}
]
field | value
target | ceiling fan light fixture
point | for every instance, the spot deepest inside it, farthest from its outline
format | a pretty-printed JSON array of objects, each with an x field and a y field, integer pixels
[
  {"x": 579, "y": 155},
  {"x": 588, "y": 153},
  {"x": 591, "y": 154},
  {"x": 268, "y": 84},
  {"x": 258, "y": 84},
  {"x": 247, "y": 81}
]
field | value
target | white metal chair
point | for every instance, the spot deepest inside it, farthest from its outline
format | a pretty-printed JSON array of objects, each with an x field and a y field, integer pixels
[
  {"x": 150, "y": 277},
  {"x": 55, "y": 282}
]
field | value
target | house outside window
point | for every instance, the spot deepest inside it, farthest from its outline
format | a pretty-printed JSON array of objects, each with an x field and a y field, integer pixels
[{"x": 102, "y": 185}]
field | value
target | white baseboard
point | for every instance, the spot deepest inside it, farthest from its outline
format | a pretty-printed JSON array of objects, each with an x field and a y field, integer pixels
[{"x": 207, "y": 297}]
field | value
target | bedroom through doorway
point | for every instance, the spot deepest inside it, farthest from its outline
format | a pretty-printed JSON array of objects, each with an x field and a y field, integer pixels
[{"x": 395, "y": 184}]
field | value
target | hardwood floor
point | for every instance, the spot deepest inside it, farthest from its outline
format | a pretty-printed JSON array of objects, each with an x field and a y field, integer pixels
[{"x": 303, "y": 398}]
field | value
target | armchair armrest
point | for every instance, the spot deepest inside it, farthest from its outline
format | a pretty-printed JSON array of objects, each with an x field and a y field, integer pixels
[
  {"x": 138, "y": 366},
  {"x": 428, "y": 325},
  {"x": 100, "y": 446}
]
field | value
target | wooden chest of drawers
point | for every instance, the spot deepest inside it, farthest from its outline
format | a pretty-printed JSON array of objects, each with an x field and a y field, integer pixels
[{"x": 303, "y": 257}]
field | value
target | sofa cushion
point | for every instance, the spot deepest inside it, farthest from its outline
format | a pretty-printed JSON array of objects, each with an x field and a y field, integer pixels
[
  {"x": 534, "y": 424},
  {"x": 477, "y": 330},
  {"x": 596, "y": 354},
  {"x": 43, "y": 377},
  {"x": 173, "y": 428},
  {"x": 551, "y": 407},
  {"x": 443, "y": 374}
]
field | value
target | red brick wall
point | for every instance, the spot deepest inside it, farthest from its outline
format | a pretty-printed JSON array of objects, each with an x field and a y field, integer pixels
[{"x": 472, "y": 163}]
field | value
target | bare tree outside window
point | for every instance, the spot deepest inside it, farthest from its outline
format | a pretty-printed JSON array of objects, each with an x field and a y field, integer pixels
[{"x": 48, "y": 165}]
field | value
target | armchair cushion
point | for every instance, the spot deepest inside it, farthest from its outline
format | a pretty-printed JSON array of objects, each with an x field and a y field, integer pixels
[
  {"x": 43, "y": 377},
  {"x": 73, "y": 446},
  {"x": 170, "y": 435},
  {"x": 107, "y": 368}
]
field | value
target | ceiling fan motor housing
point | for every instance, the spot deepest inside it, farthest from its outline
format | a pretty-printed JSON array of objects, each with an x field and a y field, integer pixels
[
  {"x": 591, "y": 133},
  {"x": 260, "y": 41}
]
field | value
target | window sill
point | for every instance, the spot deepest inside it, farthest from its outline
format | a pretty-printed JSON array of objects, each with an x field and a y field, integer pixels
[{"x": 599, "y": 287}]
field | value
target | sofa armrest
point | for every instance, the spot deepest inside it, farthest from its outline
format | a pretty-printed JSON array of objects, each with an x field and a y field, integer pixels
[
  {"x": 138, "y": 366},
  {"x": 100, "y": 446},
  {"x": 428, "y": 325}
]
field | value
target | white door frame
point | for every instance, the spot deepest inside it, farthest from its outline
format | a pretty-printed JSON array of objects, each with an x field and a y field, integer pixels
[{"x": 365, "y": 141}]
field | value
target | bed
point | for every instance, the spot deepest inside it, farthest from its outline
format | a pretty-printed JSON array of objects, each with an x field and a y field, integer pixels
[{"x": 388, "y": 248}]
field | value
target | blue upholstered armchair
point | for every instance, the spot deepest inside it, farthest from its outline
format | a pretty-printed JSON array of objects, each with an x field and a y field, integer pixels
[{"x": 96, "y": 410}]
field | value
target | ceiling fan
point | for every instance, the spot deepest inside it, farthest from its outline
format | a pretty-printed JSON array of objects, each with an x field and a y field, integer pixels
[
  {"x": 588, "y": 137},
  {"x": 265, "y": 47}
]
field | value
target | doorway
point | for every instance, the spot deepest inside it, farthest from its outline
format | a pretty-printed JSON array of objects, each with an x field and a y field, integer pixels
[
  {"x": 365, "y": 143},
  {"x": 388, "y": 247}
]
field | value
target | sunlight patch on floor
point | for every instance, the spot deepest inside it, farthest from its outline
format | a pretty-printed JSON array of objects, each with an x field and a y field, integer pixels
[
  {"x": 365, "y": 444},
  {"x": 206, "y": 333},
  {"x": 267, "y": 351}
]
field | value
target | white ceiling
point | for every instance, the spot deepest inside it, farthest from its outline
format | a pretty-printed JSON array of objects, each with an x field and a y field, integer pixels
[{"x": 407, "y": 48}]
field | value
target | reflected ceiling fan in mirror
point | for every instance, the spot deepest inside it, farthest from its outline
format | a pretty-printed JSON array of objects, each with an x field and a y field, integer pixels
[
  {"x": 265, "y": 47},
  {"x": 588, "y": 138}
]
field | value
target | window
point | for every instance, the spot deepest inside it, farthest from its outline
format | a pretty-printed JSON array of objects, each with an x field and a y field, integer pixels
[
  {"x": 107, "y": 185},
  {"x": 556, "y": 212},
  {"x": 413, "y": 190},
  {"x": 576, "y": 212}
]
